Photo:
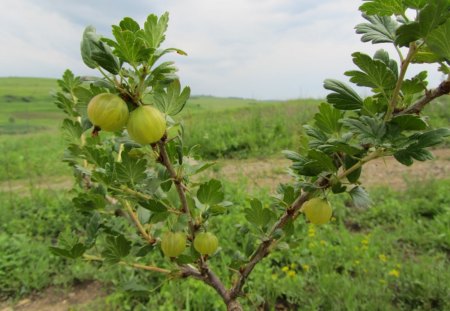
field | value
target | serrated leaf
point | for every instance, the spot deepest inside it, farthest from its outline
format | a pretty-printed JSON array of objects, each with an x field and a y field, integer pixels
[
  {"x": 320, "y": 137},
  {"x": 314, "y": 163},
  {"x": 87, "y": 202},
  {"x": 360, "y": 197},
  {"x": 416, "y": 84},
  {"x": 159, "y": 217},
  {"x": 72, "y": 131},
  {"x": 257, "y": 214},
  {"x": 439, "y": 40},
  {"x": 66, "y": 104},
  {"x": 211, "y": 192},
  {"x": 344, "y": 97},
  {"x": 383, "y": 55},
  {"x": 155, "y": 29},
  {"x": 129, "y": 46},
  {"x": 131, "y": 170},
  {"x": 429, "y": 18},
  {"x": 76, "y": 251},
  {"x": 381, "y": 29},
  {"x": 382, "y": 7},
  {"x": 415, "y": 4},
  {"x": 327, "y": 119},
  {"x": 420, "y": 141},
  {"x": 69, "y": 81},
  {"x": 173, "y": 100},
  {"x": 116, "y": 248},
  {"x": 409, "y": 122},
  {"x": 374, "y": 73},
  {"x": 129, "y": 24},
  {"x": 407, "y": 156},
  {"x": 143, "y": 251},
  {"x": 369, "y": 130}
]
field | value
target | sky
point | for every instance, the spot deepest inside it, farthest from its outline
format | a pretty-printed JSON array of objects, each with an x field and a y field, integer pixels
[{"x": 262, "y": 49}]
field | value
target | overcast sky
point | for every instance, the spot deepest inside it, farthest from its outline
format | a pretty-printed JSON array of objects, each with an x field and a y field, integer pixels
[{"x": 264, "y": 49}]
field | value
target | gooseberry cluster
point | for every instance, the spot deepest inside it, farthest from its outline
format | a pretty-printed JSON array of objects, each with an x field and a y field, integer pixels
[{"x": 109, "y": 112}]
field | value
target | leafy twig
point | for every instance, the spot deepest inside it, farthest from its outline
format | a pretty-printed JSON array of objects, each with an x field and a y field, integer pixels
[
  {"x": 137, "y": 223},
  {"x": 134, "y": 265},
  {"x": 417, "y": 107}
]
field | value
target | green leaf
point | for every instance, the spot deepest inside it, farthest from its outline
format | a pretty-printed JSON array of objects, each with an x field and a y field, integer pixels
[
  {"x": 69, "y": 82},
  {"x": 416, "y": 84},
  {"x": 360, "y": 197},
  {"x": 89, "y": 201},
  {"x": 129, "y": 24},
  {"x": 116, "y": 248},
  {"x": 439, "y": 40},
  {"x": 390, "y": 63},
  {"x": 407, "y": 156},
  {"x": 76, "y": 251},
  {"x": 315, "y": 163},
  {"x": 72, "y": 131},
  {"x": 434, "y": 14},
  {"x": 257, "y": 214},
  {"x": 211, "y": 192},
  {"x": 92, "y": 229},
  {"x": 382, "y": 7},
  {"x": 131, "y": 170},
  {"x": 327, "y": 119},
  {"x": 349, "y": 162},
  {"x": 381, "y": 29},
  {"x": 425, "y": 55},
  {"x": 95, "y": 52},
  {"x": 162, "y": 75},
  {"x": 409, "y": 122},
  {"x": 153, "y": 205},
  {"x": 369, "y": 130},
  {"x": 344, "y": 97},
  {"x": 173, "y": 100},
  {"x": 419, "y": 141},
  {"x": 415, "y": 4},
  {"x": 374, "y": 73},
  {"x": 155, "y": 29},
  {"x": 130, "y": 47}
]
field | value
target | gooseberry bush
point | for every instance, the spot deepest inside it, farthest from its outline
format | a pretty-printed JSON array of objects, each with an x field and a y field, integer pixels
[{"x": 136, "y": 180}]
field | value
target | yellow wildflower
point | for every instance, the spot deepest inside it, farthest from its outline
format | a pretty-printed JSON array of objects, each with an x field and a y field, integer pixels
[
  {"x": 323, "y": 242},
  {"x": 382, "y": 257},
  {"x": 285, "y": 269},
  {"x": 394, "y": 273},
  {"x": 291, "y": 273},
  {"x": 305, "y": 267},
  {"x": 357, "y": 262},
  {"x": 293, "y": 266},
  {"x": 274, "y": 276}
]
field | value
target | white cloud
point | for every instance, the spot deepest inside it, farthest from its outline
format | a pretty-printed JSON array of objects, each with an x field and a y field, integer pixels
[{"x": 250, "y": 48}]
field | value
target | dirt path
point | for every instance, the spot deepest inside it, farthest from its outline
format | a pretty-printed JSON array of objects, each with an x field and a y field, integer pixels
[
  {"x": 269, "y": 173},
  {"x": 54, "y": 299}
]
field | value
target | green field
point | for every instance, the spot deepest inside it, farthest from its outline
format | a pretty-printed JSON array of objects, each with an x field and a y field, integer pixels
[{"x": 393, "y": 256}]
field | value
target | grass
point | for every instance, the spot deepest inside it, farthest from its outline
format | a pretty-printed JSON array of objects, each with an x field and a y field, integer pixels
[{"x": 393, "y": 256}]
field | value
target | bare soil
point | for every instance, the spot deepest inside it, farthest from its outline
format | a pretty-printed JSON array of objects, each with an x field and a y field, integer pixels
[
  {"x": 268, "y": 173},
  {"x": 58, "y": 299}
]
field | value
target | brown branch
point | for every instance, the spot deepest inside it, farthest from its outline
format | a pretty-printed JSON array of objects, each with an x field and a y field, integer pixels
[
  {"x": 177, "y": 180},
  {"x": 417, "y": 107},
  {"x": 208, "y": 277}
]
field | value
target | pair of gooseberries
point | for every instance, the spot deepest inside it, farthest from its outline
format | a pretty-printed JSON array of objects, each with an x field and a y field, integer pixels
[
  {"x": 145, "y": 124},
  {"x": 174, "y": 243},
  {"x": 318, "y": 211}
]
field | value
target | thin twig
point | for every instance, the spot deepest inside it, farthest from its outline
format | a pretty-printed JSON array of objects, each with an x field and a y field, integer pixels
[
  {"x": 134, "y": 265},
  {"x": 138, "y": 224},
  {"x": 177, "y": 180},
  {"x": 404, "y": 67}
]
